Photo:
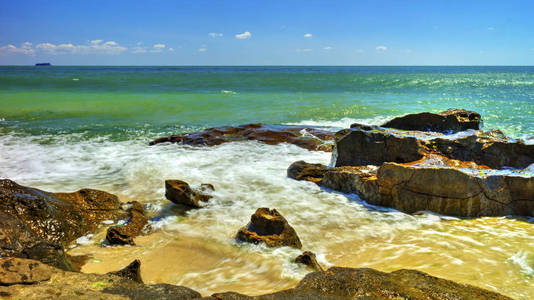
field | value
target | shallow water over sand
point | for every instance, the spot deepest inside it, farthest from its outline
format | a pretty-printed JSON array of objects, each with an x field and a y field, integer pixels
[{"x": 196, "y": 248}]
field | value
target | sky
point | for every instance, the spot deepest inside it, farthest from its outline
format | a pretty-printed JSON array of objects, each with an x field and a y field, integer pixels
[{"x": 200, "y": 32}]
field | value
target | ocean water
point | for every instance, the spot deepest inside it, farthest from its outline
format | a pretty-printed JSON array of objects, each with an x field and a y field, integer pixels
[{"x": 65, "y": 128}]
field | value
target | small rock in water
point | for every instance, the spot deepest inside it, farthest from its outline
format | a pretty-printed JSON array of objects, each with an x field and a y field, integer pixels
[
  {"x": 180, "y": 192},
  {"x": 124, "y": 235},
  {"x": 308, "y": 258},
  {"x": 270, "y": 227}
]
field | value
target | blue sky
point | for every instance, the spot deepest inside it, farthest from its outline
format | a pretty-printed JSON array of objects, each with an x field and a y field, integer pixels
[{"x": 267, "y": 32}]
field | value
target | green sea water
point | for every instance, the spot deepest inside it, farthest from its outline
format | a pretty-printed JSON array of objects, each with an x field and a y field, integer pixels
[{"x": 126, "y": 101}]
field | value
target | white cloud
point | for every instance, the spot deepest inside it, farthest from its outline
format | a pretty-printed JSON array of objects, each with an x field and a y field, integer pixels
[
  {"x": 381, "y": 48},
  {"x": 202, "y": 49},
  {"x": 327, "y": 48},
  {"x": 215, "y": 34},
  {"x": 25, "y": 48},
  {"x": 244, "y": 35},
  {"x": 171, "y": 49},
  {"x": 159, "y": 46},
  {"x": 308, "y": 35},
  {"x": 304, "y": 50},
  {"x": 491, "y": 28},
  {"x": 94, "y": 47},
  {"x": 139, "y": 49}
]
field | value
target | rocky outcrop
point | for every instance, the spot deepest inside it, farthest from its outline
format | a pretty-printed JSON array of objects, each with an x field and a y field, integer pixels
[
  {"x": 301, "y": 170},
  {"x": 180, "y": 192},
  {"x": 371, "y": 145},
  {"x": 38, "y": 225},
  {"x": 131, "y": 271},
  {"x": 347, "y": 283},
  {"x": 270, "y": 227},
  {"x": 309, "y": 259},
  {"x": 29, "y": 279},
  {"x": 449, "y": 121},
  {"x": 305, "y": 137},
  {"x": 124, "y": 234}
]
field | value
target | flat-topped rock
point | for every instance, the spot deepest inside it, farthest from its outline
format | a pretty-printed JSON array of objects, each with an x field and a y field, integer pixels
[
  {"x": 270, "y": 227},
  {"x": 372, "y": 145},
  {"x": 38, "y": 225},
  {"x": 449, "y": 121},
  {"x": 301, "y": 170},
  {"x": 305, "y": 137}
]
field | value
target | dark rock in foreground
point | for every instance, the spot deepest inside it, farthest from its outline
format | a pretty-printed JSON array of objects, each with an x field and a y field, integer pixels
[
  {"x": 449, "y": 121},
  {"x": 308, "y": 258},
  {"x": 308, "y": 138},
  {"x": 180, "y": 192},
  {"x": 45, "y": 282},
  {"x": 38, "y": 225},
  {"x": 301, "y": 170},
  {"x": 131, "y": 271},
  {"x": 270, "y": 227},
  {"x": 124, "y": 235}
]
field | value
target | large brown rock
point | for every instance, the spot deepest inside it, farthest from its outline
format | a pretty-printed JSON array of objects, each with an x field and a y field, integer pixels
[
  {"x": 305, "y": 137},
  {"x": 270, "y": 227},
  {"x": 365, "y": 284},
  {"x": 301, "y": 170},
  {"x": 180, "y": 192},
  {"x": 38, "y": 225},
  {"x": 449, "y": 121},
  {"x": 371, "y": 145},
  {"x": 125, "y": 234},
  {"x": 23, "y": 271}
]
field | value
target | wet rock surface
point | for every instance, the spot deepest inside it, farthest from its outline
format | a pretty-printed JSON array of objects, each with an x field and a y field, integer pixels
[
  {"x": 179, "y": 192},
  {"x": 46, "y": 282},
  {"x": 125, "y": 234},
  {"x": 38, "y": 225},
  {"x": 309, "y": 259},
  {"x": 470, "y": 173},
  {"x": 270, "y": 227},
  {"x": 452, "y": 120},
  {"x": 305, "y": 137}
]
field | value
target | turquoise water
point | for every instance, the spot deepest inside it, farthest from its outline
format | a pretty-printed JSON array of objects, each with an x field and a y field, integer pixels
[
  {"x": 126, "y": 101},
  {"x": 66, "y": 128}
]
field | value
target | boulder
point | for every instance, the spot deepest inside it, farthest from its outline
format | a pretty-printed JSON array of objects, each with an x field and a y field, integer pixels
[
  {"x": 124, "y": 234},
  {"x": 348, "y": 283},
  {"x": 35, "y": 224},
  {"x": 131, "y": 271},
  {"x": 449, "y": 121},
  {"x": 309, "y": 259},
  {"x": 23, "y": 271},
  {"x": 371, "y": 145},
  {"x": 301, "y": 170},
  {"x": 270, "y": 227},
  {"x": 180, "y": 192},
  {"x": 306, "y": 137}
]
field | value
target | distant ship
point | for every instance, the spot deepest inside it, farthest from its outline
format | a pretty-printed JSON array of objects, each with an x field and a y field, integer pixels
[{"x": 43, "y": 64}]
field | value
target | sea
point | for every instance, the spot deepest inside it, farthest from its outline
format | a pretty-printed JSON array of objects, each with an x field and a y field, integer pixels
[{"x": 63, "y": 128}]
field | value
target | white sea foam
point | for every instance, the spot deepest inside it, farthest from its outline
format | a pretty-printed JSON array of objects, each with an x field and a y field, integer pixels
[
  {"x": 521, "y": 259},
  {"x": 341, "y": 123}
]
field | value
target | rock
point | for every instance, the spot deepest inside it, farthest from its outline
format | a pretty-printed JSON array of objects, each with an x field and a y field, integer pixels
[
  {"x": 23, "y": 271},
  {"x": 308, "y": 258},
  {"x": 44, "y": 282},
  {"x": 131, "y": 271},
  {"x": 308, "y": 138},
  {"x": 180, "y": 192},
  {"x": 270, "y": 227},
  {"x": 371, "y": 145},
  {"x": 449, "y": 121},
  {"x": 302, "y": 170},
  {"x": 38, "y": 225},
  {"x": 124, "y": 235}
]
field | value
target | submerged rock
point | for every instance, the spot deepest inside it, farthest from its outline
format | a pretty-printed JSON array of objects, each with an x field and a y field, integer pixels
[
  {"x": 270, "y": 227},
  {"x": 449, "y": 121},
  {"x": 124, "y": 235},
  {"x": 308, "y": 258},
  {"x": 180, "y": 192},
  {"x": 38, "y": 225},
  {"x": 305, "y": 137}
]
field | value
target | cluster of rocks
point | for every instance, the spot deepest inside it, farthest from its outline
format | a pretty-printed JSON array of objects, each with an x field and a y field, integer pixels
[
  {"x": 306, "y": 137},
  {"x": 461, "y": 173}
]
